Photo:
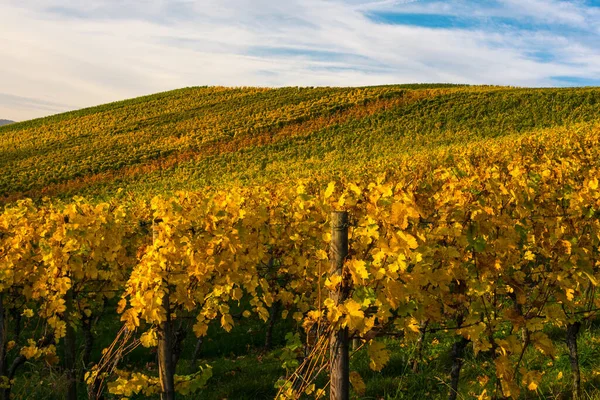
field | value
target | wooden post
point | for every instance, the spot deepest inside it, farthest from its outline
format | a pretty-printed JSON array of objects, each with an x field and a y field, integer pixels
[
  {"x": 338, "y": 345},
  {"x": 572, "y": 333},
  {"x": 166, "y": 370},
  {"x": 273, "y": 317},
  {"x": 166, "y": 367},
  {"x": 196, "y": 355},
  {"x": 457, "y": 355},
  {"x": 3, "y": 336},
  {"x": 70, "y": 348}
]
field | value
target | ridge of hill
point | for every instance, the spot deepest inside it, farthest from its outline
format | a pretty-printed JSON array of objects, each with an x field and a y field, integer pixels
[
  {"x": 194, "y": 137},
  {"x": 6, "y": 122}
]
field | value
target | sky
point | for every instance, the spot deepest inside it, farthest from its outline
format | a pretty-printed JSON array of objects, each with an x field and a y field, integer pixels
[{"x": 60, "y": 55}]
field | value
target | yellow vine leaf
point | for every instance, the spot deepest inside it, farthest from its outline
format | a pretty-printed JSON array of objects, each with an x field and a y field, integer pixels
[
  {"x": 358, "y": 270},
  {"x": 357, "y": 383},
  {"x": 355, "y": 317},
  {"x": 226, "y": 322},
  {"x": 543, "y": 343},
  {"x": 329, "y": 191},
  {"x": 378, "y": 355},
  {"x": 149, "y": 338}
]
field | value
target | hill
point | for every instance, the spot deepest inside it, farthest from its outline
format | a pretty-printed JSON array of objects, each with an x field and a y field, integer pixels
[
  {"x": 5, "y": 122},
  {"x": 193, "y": 137},
  {"x": 463, "y": 225}
]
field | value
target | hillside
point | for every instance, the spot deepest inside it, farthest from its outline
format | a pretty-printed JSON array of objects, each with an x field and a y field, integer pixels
[
  {"x": 189, "y": 138},
  {"x": 451, "y": 232},
  {"x": 5, "y": 122}
]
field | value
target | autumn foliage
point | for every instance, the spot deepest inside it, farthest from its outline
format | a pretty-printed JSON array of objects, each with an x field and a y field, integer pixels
[{"x": 493, "y": 243}]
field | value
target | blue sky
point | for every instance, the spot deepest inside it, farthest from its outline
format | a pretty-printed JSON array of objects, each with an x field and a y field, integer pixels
[{"x": 59, "y": 55}]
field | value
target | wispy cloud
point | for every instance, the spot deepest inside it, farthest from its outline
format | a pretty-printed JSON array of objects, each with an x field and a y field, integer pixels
[
  {"x": 69, "y": 52},
  {"x": 32, "y": 104}
]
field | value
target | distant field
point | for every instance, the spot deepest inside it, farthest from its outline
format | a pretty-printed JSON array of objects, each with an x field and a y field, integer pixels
[{"x": 190, "y": 138}]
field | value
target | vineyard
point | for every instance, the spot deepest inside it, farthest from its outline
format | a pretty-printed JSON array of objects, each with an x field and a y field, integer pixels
[
  {"x": 193, "y": 138},
  {"x": 192, "y": 244}
]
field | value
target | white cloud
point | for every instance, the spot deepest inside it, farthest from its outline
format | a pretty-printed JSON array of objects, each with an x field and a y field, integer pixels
[{"x": 73, "y": 54}]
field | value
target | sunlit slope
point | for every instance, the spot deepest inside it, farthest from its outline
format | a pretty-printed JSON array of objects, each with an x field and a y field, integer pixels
[{"x": 189, "y": 138}]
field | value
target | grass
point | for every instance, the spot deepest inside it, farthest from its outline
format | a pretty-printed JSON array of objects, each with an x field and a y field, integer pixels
[{"x": 243, "y": 370}]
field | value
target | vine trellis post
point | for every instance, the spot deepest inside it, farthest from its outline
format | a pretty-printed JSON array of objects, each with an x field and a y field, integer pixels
[
  {"x": 166, "y": 367},
  {"x": 339, "y": 343}
]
